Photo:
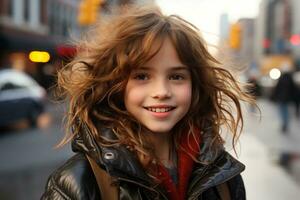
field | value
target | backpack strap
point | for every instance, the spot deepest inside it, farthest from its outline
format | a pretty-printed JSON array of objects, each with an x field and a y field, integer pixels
[
  {"x": 104, "y": 182},
  {"x": 223, "y": 191}
]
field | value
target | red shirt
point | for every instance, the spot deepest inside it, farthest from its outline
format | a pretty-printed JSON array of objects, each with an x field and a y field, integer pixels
[{"x": 185, "y": 166}]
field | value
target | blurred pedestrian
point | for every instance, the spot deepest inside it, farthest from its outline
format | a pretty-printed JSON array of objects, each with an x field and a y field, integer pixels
[
  {"x": 284, "y": 94},
  {"x": 147, "y": 101},
  {"x": 296, "y": 78}
]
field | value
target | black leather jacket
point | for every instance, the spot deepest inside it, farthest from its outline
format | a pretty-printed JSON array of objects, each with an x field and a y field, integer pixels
[{"x": 75, "y": 179}]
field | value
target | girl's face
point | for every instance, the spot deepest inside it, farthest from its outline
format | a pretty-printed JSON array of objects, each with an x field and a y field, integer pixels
[{"x": 158, "y": 94}]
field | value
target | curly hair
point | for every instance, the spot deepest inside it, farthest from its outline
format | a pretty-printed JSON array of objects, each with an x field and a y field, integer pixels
[{"x": 94, "y": 82}]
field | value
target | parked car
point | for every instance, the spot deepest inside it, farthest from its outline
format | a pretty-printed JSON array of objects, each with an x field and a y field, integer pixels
[{"x": 21, "y": 98}]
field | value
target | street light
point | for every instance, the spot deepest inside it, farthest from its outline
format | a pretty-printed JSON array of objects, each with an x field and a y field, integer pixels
[
  {"x": 39, "y": 56},
  {"x": 274, "y": 73},
  {"x": 88, "y": 11},
  {"x": 235, "y": 36}
]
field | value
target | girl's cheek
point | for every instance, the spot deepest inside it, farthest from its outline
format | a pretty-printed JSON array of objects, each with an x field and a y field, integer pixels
[
  {"x": 185, "y": 94},
  {"x": 134, "y": 94},
  {"x": 185, "y": 90}
]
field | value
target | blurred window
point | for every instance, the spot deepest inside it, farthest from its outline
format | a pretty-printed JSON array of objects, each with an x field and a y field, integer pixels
[
  {"x": 6, "y": 8},
  {"x": 43, "y": 11},
  {"x": 9, "y": 8},
  {"x": 26, "y": 10},
  {"x": 54, "y": 18},
  {"x": 51, "y": 17}
]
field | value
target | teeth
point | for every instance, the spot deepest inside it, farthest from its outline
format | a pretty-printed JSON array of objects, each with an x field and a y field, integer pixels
[{"x": 159, "y": 110}]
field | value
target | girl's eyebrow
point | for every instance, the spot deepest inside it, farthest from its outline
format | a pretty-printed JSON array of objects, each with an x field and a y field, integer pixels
[
  {"x": 143, "y": 68},
  {"x": 173, "y": 68},
  {"x": 177, "y": 68}
]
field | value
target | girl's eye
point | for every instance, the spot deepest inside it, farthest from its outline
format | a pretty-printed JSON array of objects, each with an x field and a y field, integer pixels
[
  {"x": 141, "y": 77},
  {"x": 176, "y": 77}
]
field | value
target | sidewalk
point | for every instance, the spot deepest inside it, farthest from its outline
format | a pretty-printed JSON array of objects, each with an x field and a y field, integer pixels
[
  {"x": 259, "y": 148},
  {"x": 263, "y": 179}
]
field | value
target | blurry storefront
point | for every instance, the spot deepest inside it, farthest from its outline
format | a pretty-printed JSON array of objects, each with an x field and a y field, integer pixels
[
  {"x": 16, "y": 46},
  {"x": 24, "y": 33},
  {"x": 47, "y": 27},
  {"x": 278, "y": 34}
]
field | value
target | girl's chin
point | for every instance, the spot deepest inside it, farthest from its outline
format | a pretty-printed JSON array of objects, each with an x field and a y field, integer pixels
[{"x": 158, "y": 130}]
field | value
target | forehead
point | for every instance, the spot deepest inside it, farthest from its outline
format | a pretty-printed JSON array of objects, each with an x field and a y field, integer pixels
[
  {"x": 165, "y": 56},
  {"x": 160, "y": 69}
]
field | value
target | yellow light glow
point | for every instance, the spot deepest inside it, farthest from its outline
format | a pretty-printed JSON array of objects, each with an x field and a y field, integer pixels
[
  {"x": 39, "y": 56},
  {"x": 275, "y": 73}
]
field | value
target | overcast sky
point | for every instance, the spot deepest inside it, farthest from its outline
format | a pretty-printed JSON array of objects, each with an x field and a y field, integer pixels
[{"x": 205, "y": 14}]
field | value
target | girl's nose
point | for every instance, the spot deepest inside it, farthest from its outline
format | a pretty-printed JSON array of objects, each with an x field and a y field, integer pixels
[{"x": 161, "y": 90}]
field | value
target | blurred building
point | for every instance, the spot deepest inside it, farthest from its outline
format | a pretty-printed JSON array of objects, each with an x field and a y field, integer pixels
[
  {"x": 295, "y": 31},
  {"x": 31, "y": 32},
  {"x": 277, "y": 34},
  {"x": 62, "y": 18},
  {"x": 239, "y": 42},
  {"x": 260, "y": 31},
  {"x": 36, "y": 35},
  {"x": 224, "y": 27},
  {"x": 278, "y": 26},
  {"x": 23, "y": 28},
  {"x": 247, "y": 40},
  {"x": 271, "y": 40}
]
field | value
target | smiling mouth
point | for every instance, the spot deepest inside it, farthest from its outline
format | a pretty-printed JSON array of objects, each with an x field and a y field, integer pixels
[{"x": 159, "y": 110}]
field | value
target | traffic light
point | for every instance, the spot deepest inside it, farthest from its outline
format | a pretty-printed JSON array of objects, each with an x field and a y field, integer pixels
[
  {"x": 88, "y": 11},
  {"x": 235, "y": 36}
]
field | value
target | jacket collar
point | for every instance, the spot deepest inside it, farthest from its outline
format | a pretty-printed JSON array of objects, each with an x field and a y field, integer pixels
[
  {"x": 215, "y": 167},
  {"x": 120, "y": 162},
  {"x": 117, "y": 161},
  {"x": 223, "y": 169}
]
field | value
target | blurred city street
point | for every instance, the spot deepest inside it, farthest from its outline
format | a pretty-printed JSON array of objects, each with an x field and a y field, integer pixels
[
  {"x": 38, "y": 38},
  {"x": 29, "y": 157},
  {"x": 262, "y": 148}
]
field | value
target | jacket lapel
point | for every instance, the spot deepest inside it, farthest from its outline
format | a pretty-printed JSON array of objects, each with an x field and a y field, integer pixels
[{"x": 221, "y": 170}]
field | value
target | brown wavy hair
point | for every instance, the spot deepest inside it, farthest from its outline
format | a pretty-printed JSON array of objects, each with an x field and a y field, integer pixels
[{"x": 94, "y": 82}]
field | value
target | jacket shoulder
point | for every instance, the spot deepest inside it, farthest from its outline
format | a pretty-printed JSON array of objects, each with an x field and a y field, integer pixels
[
  {"x": 73, "y": 180},
  {"x": 237, "y": 188}
]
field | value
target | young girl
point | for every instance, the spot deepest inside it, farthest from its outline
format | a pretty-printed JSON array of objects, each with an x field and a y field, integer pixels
[{"x": 146, "y": 106}]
